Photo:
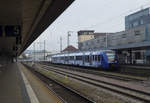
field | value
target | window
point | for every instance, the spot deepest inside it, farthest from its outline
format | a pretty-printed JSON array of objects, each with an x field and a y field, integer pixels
[
  {"x": 62, "y": 58},
  {"x": 123, "y": 35},
  {"x": 131, "y": 26},
  {"x": 104, "y": 39},
  {"x": 84, "y": 33},
  {"x": 71, "y": 57},
  {"x": 137, "y": 33},
  {"x": 87, "y": 59},
  {"x": 138, "y": 55},
  {"x": 99, "y": 58},
  {"x": 135, "y": 24},
  {"x": 96, "y": 58},
  {"x": 66, "y": 58},
  {"x": 141, "y": 22},
  {"x": 78, "y": 57},
  {"x": 97, "y": 41},
  {"x": 93, "y": 57}
]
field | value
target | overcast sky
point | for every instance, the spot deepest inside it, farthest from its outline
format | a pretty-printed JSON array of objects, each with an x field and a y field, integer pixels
[{"x": 98, "y": 15}]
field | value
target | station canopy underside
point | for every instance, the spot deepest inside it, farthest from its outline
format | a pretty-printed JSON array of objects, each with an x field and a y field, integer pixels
[{"x": 22, "y": 21}]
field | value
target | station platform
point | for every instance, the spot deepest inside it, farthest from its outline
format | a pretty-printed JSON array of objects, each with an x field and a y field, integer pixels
[{"x": 19, "y": 85}]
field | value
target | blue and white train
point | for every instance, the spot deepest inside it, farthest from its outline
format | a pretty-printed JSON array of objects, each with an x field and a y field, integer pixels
[{"x": 104, "y": 59}]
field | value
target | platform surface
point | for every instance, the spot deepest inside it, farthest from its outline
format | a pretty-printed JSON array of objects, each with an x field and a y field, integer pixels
[
  {"x": 19, "y": 85},
  {"x": 43, "y": 94},
  {"x": 12, "y": 88}
]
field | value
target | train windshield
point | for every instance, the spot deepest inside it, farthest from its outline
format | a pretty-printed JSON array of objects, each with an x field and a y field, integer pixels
[{"x": 111, "y": 57}]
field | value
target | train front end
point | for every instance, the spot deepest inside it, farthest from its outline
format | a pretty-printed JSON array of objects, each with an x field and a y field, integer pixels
[{"x": 112, "y": 59}]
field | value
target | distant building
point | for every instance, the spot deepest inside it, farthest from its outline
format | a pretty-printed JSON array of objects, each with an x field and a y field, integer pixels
[
  {"x": 94, "y": 42},
  {"x": 87, "y": 35},
  {"x": 70, "y": 48},
  {"x": 141, "y": 17},
  {"x": 84, "y": 35},
  {"x": 98, "y": 35}
]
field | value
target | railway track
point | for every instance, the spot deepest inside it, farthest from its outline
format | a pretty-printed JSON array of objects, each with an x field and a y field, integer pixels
[
  {"x": 99, "y": 73},
  {"x": 62, "y": 91},
  {"x": 125, "y": 91}
]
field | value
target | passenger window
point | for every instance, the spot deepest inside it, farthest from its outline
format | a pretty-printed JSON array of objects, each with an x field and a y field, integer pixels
[
  {"x": 93, "y": 58},
  {"x": 99, "y": 57},
  {"x": 87, "y": 58}
]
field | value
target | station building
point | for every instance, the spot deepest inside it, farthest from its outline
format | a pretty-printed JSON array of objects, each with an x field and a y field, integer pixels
[
  {"x": 136, "y": 19},
  {"x": 86, "y": 39},
  {"x": 83, "y": 36},
  {"x": 140, "y": 19},
  {"x": 130, "y": 42}
]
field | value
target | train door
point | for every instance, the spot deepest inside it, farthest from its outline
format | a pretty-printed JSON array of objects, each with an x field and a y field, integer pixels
[
  {"x": 101, "y": 58},
  {"x": 90, "y": 59},
  {"x": 83, "y": 59},
  {"x": 93, "y": 62}
]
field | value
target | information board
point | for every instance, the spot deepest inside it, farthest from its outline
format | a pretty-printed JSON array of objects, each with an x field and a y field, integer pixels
[{"x": 13, "y": 30}]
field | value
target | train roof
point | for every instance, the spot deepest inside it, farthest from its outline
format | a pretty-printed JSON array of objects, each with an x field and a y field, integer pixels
[{"x": 82, "y": 53}]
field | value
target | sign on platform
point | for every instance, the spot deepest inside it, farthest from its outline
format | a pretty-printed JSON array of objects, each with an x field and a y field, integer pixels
[{"x": 13, "y": 30}]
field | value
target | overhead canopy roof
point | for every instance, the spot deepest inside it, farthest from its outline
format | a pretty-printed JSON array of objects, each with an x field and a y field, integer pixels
[
  {"x": 22, "y": 21},
  {"x": 134, "y": 46}
]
